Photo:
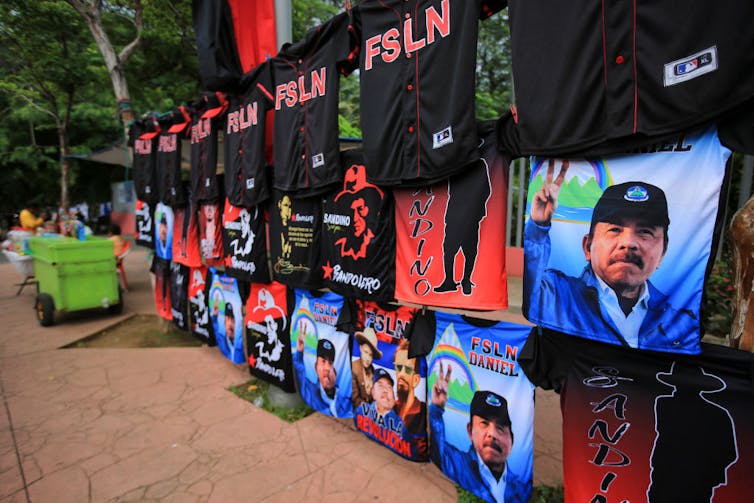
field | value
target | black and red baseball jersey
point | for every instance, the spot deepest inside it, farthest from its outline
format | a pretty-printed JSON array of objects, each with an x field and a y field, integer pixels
[
  {"x": 295, "y": 234},
  {"x": 245, "y": 123},
  {"x": 358, "y": 235},
  {"x": 305, "y": 97},
  {"x": 634, "y": 420},
  {"x": 244, "y": 242},
  {"x": 417, "y": 71},
  {"x": 173, "y": 129},
  {"x": 143, "y": 138},
  {"x": 206, "y": 121},
  {"x": 591, "y": 72}
]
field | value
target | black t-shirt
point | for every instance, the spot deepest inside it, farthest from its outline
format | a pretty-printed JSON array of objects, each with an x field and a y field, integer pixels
[
  {"x": 358, "y": 235},
  {"x": 641, "y": 425}
]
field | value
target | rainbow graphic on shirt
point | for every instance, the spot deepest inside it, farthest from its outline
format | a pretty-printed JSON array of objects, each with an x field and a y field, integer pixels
[{"x": 448, "y": 353}]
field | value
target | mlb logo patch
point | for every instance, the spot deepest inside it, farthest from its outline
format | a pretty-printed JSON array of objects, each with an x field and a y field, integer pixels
[
  {"x": 250, "y": 183},
  {"x": 206, "y": 182},
  {"x": 442, "y": 138},
  {"x": 691, "y": 66},
  {"x": 318, "y": 160}
]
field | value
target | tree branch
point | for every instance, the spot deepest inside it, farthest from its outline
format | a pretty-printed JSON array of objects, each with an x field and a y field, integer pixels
[{"x": 128, "y": 50}]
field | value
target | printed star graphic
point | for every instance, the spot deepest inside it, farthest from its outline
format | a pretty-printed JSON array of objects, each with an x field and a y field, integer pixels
[
  {"x": 327, "y": 269},
  {"x": 252, "y": 361}
]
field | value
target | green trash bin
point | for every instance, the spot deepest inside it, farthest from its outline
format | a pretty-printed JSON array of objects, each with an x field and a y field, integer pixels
[{"x": 74, "y": 275}]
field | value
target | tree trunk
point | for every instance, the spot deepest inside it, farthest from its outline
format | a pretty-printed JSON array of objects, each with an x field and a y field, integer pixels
[
  {"x": 65, "y": 174},
  {"x": 742, "y": 233},
  {"x": 91, "y": 11}
]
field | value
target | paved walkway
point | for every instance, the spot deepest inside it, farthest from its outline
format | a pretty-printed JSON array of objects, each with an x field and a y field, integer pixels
[{"x": 82, "y": 425}]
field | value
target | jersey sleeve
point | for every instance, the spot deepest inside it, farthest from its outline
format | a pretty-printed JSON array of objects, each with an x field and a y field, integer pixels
[
  {"x": 347, "y": 317},
  {"x": 421, "y": 334},
  {"x": 546, "y": 358},
  {"x": 489, "y": 7}
]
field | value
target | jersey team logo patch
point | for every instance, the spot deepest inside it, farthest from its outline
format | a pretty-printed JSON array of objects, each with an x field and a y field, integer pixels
[
  {"x": 250, "y": 183},
  {"x": 442, "y": 138},
  {"x": 691, "y": 67},
  {"x": 318, "y": 160}
]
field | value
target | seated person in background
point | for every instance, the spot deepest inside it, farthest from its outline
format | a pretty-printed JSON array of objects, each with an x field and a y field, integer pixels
[{"x": 118, "y": 241}]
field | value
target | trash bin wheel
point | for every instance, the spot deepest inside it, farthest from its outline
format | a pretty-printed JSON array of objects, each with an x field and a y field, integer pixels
[
  {"x": 117, "y": 308},
  {"x": 45, "y": 307}
]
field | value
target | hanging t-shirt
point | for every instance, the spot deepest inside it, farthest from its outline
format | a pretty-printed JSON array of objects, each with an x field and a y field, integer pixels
[
  {"x": 389, "y": 389},
  {"x": 244, "y": 243},
  {"x": 144, "y": 232},
  {"x": 186, "y": 237},
  {"x": 210, "y": 233},
  {"x": 179, "y": 295},
  {"x": 245, "y": 122},
  {"x": 358, "y": 235},
  {"x": 169, "y": 185},
  {"x": 268, "y": 334},
  {"x": 206, "y": 122},
  {"x": 451, "y": 236},
  {"x": 143, "y": 139},
  {"x": 474, "y": 378},
  {"x": 320, "y": 353},
  {"x": 649, "y": 426},
  {"x": 161, "y": 270},
  {"x": 295, "y": 240},
  {"x": 163, "y": 231},
  {"x": 198, "y": 293},
  {"x": 633, "y": 236},
  {"x": 226, "y": 315}
]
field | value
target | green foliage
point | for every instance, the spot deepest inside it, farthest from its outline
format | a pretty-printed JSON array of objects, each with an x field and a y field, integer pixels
[
  {"x": 309, "y": 13},
  {"x": 541, "y": 494},
  {"x": 717, "y": 309},
  {"x": 493, "y": 67},
  {"x": 255, "y": 391}
]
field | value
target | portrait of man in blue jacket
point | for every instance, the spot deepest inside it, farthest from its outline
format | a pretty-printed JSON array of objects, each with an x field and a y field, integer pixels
[
  {"x": 483, "y": 468},
  {"x": 612, "y": 300},
  {"x": 322, "y": 395}
]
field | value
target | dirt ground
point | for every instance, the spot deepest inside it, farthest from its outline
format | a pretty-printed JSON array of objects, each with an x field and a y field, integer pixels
[{"x": 139, "y": 331}]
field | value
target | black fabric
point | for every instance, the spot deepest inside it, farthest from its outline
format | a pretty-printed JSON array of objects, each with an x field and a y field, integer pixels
[
  {"x": 358, "y": 235},
  {"x": 179, "y": 295},
  {"x": 219, "y": 63},
  {"x": 417, "y": 106},
  {"x": 596, "y": 72},
  {"x": 244, "y": 140},
  {"x": 421, "y": 334},
  {"x": 305, "y": 98}
]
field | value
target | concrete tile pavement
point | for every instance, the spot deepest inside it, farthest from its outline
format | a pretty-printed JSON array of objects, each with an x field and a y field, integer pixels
[{"x": 159, "y": 425}]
